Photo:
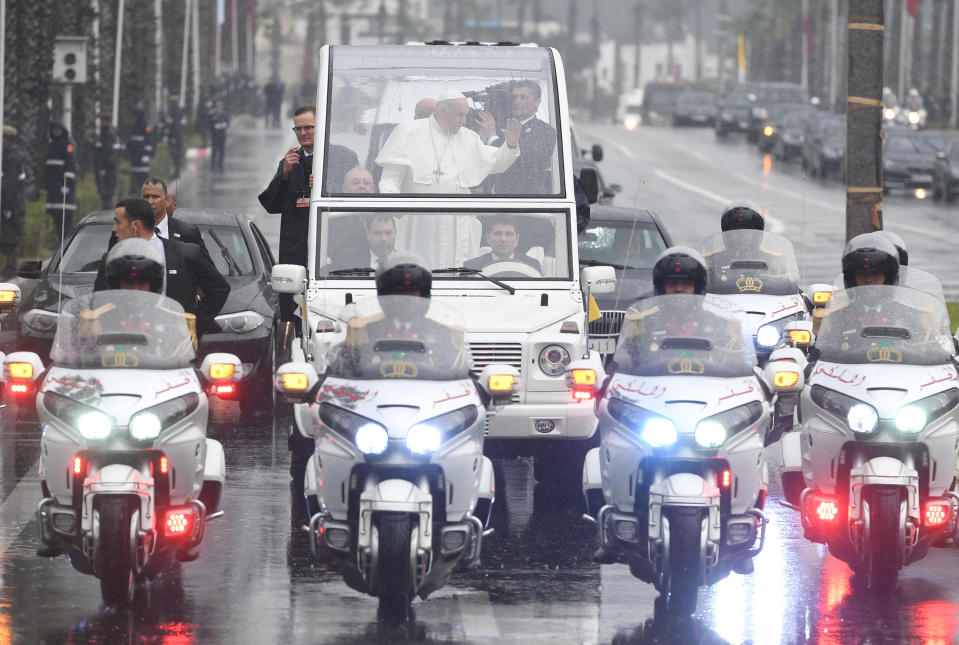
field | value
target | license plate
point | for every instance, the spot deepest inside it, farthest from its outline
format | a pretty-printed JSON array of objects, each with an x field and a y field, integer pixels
[{"x": 602, "y": 345}]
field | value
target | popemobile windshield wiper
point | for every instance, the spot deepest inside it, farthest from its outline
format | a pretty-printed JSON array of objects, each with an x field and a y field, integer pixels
[
  {"x": 352, "y": 271},
  {"x": 603, "y": 263},
  {"x": 476, "y": 272}
]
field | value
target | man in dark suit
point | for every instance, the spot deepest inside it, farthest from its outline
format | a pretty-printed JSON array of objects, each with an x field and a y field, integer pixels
[
  {"x": 188, "y": 271},
  {"x": 380, "y": 242},
  {"x": 532, "y": 172},
  {"x": 502, "y": 239}
]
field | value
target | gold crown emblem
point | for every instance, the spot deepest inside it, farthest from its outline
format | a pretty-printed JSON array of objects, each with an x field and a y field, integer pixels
[
  {"x": 398, "y": 369},
  {"x": 685, "y": 366},
  {"x": 120, "y": 359},
  {"x": 749, "y": 283},
  {"x": 884, "y": 355}
]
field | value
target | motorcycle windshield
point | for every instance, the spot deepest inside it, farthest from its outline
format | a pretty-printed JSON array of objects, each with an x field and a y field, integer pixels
[
  {"x": 749, "y": 261},
  {"x": 885, "y": 324},
  {"x": 123, "y": 329},
  {"x": 401, "y": 337},
  {"x": 682, "y": 335}
]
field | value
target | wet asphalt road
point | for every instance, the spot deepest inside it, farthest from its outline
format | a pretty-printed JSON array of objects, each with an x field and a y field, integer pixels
[{"x": 255, "y": 583}]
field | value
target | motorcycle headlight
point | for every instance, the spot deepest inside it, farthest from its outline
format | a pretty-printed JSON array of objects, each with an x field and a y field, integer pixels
[
  {"x": 40, "y": 320},
  {"x": 147, "y": 425},
  {"x": 92, "y": 424},
  {"x": 553, "y": 360},
  {"x": 423, "y": 439},
  {"x": 889, "y": 114},
  {"x": 914, "y": 118},
  {"x": 372, "y": 439},
  {"x": 654, "y": 429},
  {"x": 912, "y": 418},
  {"x": 861, "y": 417},
  {"x": 713, "y": 431},
  {"x": 768, "y": 336},
  {"x": 241, "y": 322}
]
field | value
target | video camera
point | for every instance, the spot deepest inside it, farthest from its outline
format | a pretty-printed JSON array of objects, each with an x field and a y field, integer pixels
[{"x": 495, "y": 99}]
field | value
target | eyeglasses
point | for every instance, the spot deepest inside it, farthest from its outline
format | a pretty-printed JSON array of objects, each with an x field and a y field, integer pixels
[{"x": 303, "y": 128}]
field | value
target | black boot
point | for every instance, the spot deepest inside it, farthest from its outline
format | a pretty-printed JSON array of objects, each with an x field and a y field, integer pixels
[
  {"x": 743, "y": 566},
  {"x": 604, "y": 556},
  {"x": 49, "y": 550}
]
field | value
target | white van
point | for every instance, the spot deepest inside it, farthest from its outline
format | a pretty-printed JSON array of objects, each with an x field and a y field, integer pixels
[{"x": 529, "y": 312}]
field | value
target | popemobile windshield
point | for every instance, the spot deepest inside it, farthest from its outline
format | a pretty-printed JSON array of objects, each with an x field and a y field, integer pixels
[{"x": 494, "y": 219}]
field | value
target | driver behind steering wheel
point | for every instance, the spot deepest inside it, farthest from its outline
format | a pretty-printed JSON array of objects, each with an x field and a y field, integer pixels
[{"x": 502, "y": 238}]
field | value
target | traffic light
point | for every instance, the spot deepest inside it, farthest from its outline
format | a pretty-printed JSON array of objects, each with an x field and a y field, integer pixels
[{"x": 70, "y": 59}]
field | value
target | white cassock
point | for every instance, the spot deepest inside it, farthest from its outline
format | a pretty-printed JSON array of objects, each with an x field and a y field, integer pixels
[{"x": 421, "y": 157}]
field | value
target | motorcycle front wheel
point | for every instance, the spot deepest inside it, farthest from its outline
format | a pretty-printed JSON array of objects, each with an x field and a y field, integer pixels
[
  {"x": 116, "y": 545},
  {"x": 394, "y": 567},
  {"x": 885, "y": 539},
  {"x": 685, "y": 548}
]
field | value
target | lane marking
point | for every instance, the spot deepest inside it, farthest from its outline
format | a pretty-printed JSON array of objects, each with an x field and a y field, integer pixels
[
  {"x": 19, "y": 508},
  {"x": 476, "y": 614}
]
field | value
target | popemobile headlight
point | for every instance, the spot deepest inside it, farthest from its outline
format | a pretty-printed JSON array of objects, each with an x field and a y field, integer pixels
[
  {"x": 659, "y": 432},
  {"x": 554, "y": 359},
  {"x": 862, "y": 418},
  {"x": 423, "y": 439},
  {"x": 910, "y": 418},
  {"x": 241, "y": 322},
  {"x": 710, "y": 434},
  {"x": 768, "y": 336},
  {"x": 94, "y": 424},
  {"x": 145, "y": 426},
  {"x": 372, "y": 439}
]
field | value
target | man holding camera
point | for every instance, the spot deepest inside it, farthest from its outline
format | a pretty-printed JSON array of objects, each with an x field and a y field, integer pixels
[{"x": 438, "y": 155}]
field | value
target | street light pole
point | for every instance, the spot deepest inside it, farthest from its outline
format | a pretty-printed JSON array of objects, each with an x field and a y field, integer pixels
[
  {"x": 187, "y": 14},
  {"x": 158, "y": 17},
  {"x": 116, "y": 65}
]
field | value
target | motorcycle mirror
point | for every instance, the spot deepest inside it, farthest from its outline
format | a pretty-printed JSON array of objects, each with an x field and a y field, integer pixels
[
  {"x": 296, "y": 381},
  {"x": 500, "y": 381},
  {"x": 22, "y": 366},
  {"x": 584, "y": 379},
  {"x": 799, "y": 333},
  {"x": 9, "y": 296},
  {"x": 821, "y": 293},
  {"x": 784, "y": 371},
  {"x": 221, "y": 366}
]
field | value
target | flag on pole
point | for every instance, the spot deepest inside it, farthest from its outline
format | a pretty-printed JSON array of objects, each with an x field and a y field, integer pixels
[
  {"x": 911, "y": 6},
  {"x": 594, "y": 312}
]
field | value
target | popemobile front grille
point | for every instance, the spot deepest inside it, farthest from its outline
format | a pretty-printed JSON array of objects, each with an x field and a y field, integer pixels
[{"x": 608, "y": 324}]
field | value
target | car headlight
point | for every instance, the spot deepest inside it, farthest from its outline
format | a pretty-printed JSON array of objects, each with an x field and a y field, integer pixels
[
  {"x": 372, "y": 439},
  {"x": 147, "y": 425},
  {"x": 713, "y": 431},
  {"x": 631, "y": 123},
  {"x": 912, "y": 418},
  {"x": 889, "y": 114},
  {"x": 241, "y": 322},
  {"x": 862, "y": 418},
  {"x": 423, "y": 439},
  {"x": 914, "y": 118},
  {"x": 91, "y": 423},
  {"x": 553, "y": 360},
  {"x": 768, "y": 336},
  {"x": 40, "y": 320},
  {"x": 656, "y": 430}
]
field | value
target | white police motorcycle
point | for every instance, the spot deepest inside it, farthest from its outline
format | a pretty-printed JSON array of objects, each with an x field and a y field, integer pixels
[
  {"x": 679, "y": 481},
  {"x": 872, "y": 469},
  {"x": 129, "y": 477},
  {"x": 398, "y": 488}
]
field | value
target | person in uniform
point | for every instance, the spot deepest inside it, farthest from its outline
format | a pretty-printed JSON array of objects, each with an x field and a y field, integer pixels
[
  {"x": 273, "y": 97},
  {"x": 105, "y": 162},
  {"x": 61, "y": 184},
  {"x": 219, "y": 124},
  {"x": 13, "y": 202},
  {"x": 174, "y": 126},
  {"x": 140, "y": 148}
]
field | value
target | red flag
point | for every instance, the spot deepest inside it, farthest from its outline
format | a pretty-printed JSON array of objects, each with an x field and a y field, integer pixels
[{"x": 911, "y": 6}]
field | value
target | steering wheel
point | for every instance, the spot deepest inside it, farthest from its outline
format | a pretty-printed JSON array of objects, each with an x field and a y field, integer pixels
[{"x": 511, "y": 269}]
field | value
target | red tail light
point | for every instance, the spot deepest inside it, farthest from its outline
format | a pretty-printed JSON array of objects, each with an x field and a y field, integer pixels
[
  {"x": 178, "y": 522},
  {"x": 19, "y": 388},
  {"x": 937, "y": 514},
  {"x": 827, "y": 510},
  {"x": 727, "y": 479},
  {"x": 77, "y": 465},
  {"x": 224, "y": 389},
  {"x": 164, "y": 465},
  {"x": 582, "y": 395}
]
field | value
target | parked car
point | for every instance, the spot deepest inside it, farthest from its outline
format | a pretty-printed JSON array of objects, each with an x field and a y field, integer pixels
[
  {"x": 629, "y": 240},
  {"x": 733, "y": 113},
  {"x": 945, "y": 174},
  {"x": 249, "y": 320},
  {"x": 695, "y": 107},
  {"x": 789, "y": 136},
  {"x": 824, "y": 146},
  {"x": 659, "y": 101},
  {"x": 909, "y": 159}
]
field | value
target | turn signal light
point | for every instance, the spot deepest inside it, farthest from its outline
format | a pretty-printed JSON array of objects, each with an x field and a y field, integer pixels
[
  {"x": 936, "y": 514},
  {"x": 726, "y": 479},
  {"x": 294, "y": 381},
  {"x": 500, "y": 382},
  {"x": 800, "y": 336},
  {"x": 20, "y": 370},
  {"x": 827, "y": 510},
  {"x": 785, "y": 379},
  {"x": 222, "y": 370},
  {"x": 7, "y": 296},
  {"x": 164, "y": 465},
  {"x": 77, "y": 465},
  {"x": 584, "y": 376},
  {"x": 178, "y": 523},
  {"x": 821, "y": 297}
]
